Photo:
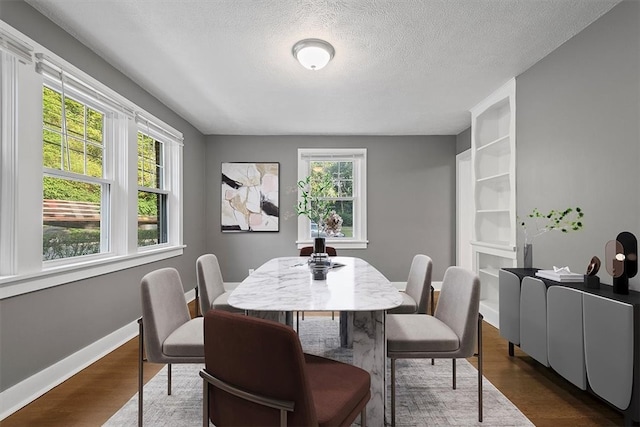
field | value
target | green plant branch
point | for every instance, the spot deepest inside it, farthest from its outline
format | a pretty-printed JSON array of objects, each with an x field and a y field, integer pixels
[
  {"x": 565, "y": 221},
  {"x": 310, "y": 204}
]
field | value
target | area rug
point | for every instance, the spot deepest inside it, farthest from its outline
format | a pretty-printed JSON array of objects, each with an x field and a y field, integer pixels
[{"x": 424, "y": 396}]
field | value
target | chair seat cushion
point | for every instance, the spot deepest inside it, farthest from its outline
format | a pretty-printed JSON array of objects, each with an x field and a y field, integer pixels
[
  {"x": 408, "y": 305},
  {"x": 222, "y": 303},
  {"x": 340, "y": 390},
  {"x": 419, "y": 333},
  {"x": 186, "y": 341}
]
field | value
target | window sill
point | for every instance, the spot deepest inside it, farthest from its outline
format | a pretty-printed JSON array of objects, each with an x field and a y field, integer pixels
[
  {"x": 338, "y": 244},
  {"x": 51, "y": 276}
]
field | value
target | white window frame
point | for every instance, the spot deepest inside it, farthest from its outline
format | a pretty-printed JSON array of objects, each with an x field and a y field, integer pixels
[
  {"x": 171, "y": 181},
  {"x": 359, "y": 158},
  {"x": 21, "y": 268},
  {"x": 106, "y": 182}
]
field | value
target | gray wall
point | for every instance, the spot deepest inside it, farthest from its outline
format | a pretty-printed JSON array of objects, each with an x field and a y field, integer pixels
[
  {"x": 41, "y": 328},
  {"x": 463, "y": 140},
  {"x": 578, "y": 138},
  {"x": 411, "y": 200}
]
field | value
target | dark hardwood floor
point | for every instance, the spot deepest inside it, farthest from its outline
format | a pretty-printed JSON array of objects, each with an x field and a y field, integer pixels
[{"x": 93, "y": 395}]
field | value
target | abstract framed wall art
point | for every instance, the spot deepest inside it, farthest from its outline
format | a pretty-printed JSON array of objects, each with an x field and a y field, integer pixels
[{"x": 250, "y": 197}]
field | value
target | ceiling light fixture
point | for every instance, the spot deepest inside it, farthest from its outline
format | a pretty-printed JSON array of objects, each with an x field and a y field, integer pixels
[{"x": 313, "y": 54}]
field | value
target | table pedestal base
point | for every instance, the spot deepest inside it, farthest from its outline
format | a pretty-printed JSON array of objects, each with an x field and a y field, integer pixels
[
  {"x": 366, "y": 330},
  {"x": 369, "y": 344}
]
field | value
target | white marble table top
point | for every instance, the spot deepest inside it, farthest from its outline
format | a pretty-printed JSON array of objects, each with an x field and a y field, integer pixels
[{"x": 286, "y": 284}]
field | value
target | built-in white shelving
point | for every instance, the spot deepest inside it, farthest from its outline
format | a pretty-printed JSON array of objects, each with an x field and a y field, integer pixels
[{"x": 494, "y": 194}]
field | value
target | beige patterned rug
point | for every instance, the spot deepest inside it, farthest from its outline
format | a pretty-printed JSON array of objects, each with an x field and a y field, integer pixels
[{"x": 424, "y": 393}]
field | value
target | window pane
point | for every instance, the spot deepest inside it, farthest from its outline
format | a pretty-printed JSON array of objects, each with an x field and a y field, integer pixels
[
  {"x": 51, "y": 109},
  {"x": 346, "y": 188},
  {"x": 322, "y": 183},
  {"x": 81, "y": 149},
  {"x": 71, "y": 218},
  {"x": 94, "y": 160},
  {"x": 150, "y": 161},
  {"x": 95, "y": 126},
  {"x": 74, "y": 112},
  {"x": 344, "y": 208},
  {"x": 152, "y": 214},
  {"x": 339, "y": 174},
  {"x": 52, "y": 149},
  {"x": 329, "y": 181},
  {"x": 74, "y": 156}
]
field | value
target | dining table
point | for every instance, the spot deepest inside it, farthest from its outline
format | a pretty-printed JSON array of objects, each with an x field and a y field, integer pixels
[{"x": 285, "y": 285}]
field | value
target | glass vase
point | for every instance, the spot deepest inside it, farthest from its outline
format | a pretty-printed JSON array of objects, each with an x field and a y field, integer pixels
[
  {"x": 319, "y": 245},
  {"x": 527, "y": 255}
]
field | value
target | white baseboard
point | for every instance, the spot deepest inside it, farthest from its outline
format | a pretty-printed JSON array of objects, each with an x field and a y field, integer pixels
[
  {"x": 400, "y": 285},
  {"x": 28, "y": 390},
  {"x": 229, "y": 286}
]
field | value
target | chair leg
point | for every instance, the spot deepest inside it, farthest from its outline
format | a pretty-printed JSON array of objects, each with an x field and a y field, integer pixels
[
  {"x": 169, "y": 379},
  {"x": 140, "y": 368},
  {"x": 363, "y": 417},
  {"x": 197, "y": 303},
  {"x": 480, "y": 367},
  {"x": 393, "y": 392},
  {"x": 298, "y": 322},
  {"x": 205, "y": 403},
  {"x": 433, "y": 301},
  {"x": 454, "y": 373},
  {"x": 433, "y": 311}
]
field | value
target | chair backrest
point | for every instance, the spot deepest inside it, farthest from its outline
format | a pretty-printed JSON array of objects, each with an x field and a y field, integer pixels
[
  {"x": 459, "y": 305},
  {"x": 259, "y": 356},
  {"x": 164, "y": 309},
  {"x": 308, "y": 250},
  {"x": 210, "y": 282},
  {"x": 419, "y": 281}
]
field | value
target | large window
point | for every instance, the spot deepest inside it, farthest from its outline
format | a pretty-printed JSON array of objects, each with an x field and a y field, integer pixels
[
  {"x": 74, "y": 189},
  {"x": 335, "y": 181},
  {"x": 152, "y": 198},
  {"x": 89, "y": 182}
]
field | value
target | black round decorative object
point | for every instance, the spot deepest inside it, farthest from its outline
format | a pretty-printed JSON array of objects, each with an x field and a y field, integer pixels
[
  {"x": 592, "y": 281},
  {"x": 622, "y": 261}
]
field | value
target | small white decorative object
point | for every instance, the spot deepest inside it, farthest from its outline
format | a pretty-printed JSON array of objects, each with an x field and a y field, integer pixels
[{"x": 560, "y": 274}]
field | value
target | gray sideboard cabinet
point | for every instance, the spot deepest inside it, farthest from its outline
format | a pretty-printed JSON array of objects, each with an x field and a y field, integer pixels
[{"x": 591, "y": 337}]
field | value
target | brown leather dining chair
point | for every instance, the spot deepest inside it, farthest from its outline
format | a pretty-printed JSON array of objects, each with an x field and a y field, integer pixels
[
  {"x": 308, "y": 250},
  {"x": 256, "y": 374}
]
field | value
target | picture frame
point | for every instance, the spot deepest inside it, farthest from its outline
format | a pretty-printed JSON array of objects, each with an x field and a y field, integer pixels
[{"x": 250, "y": 197}]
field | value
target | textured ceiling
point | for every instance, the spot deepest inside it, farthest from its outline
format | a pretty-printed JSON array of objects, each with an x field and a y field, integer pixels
[{"x": 401, "y": 67}]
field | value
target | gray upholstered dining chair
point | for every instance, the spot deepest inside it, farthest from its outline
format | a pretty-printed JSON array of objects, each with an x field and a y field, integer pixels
[
  {"x": 211, "y": 285},
  {"x": 415, "y": 298},
  {"x": 449, "y": 333},
  {"x": 167, "y": 332}
]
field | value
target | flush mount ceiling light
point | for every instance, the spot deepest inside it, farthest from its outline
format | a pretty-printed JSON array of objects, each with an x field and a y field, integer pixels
[{"x": 313, "y": 54}]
